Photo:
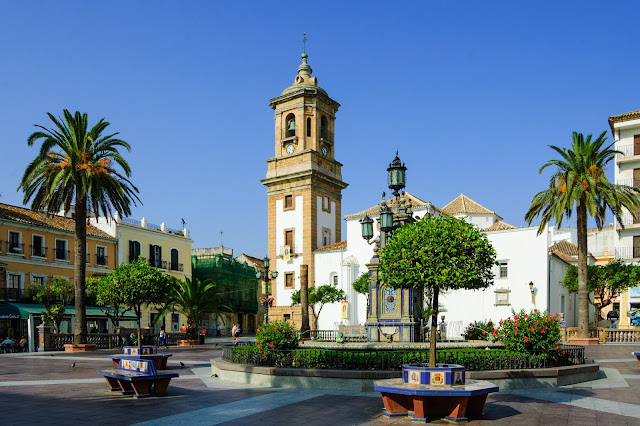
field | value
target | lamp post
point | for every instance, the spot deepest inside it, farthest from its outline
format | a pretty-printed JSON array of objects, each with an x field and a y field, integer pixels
[
  {"x": 266, "y": 276},
  {"x": 533, "y": 293}
]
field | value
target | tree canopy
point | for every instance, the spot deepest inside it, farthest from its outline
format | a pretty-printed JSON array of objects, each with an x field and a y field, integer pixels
[
  {"x": 54, "y": 297},
  {"x": 319, "y": 296},
  {"x": 361, "y": 284},
  {"x": 437, "y": 253},
  {"x": 579, "y": 182}
]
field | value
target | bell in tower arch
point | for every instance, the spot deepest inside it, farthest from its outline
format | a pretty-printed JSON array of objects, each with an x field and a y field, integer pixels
[{"x": 291, "y": 127}]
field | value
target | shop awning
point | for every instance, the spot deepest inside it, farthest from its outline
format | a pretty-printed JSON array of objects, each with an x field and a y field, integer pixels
[{"x": 23, "y": 310}]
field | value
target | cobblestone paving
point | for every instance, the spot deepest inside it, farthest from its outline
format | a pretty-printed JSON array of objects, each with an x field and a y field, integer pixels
[{"x": 44, "y": 389}]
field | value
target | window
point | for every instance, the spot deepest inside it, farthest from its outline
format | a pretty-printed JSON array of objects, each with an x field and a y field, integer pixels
[
  {"x": 335, "y": 280},
  {"x": 308, "y": 127},
  {"x": 288, "y": 201},
  {"x": 14, "y": 242},
  {"x": 13, "y": 286},
  {"x": 326, "y": 236},
  {"x": 37, "y": 279},
  {"x": 289, "y": 280},
  {"x": 326, "y": 204},
  {"x": 61, "y": 250},
  {"x": 286, "y": 317},
  {"x": 101, "y": 256},
  {"x": 134, "y": 250},
  {"x": 503, "y": 269},
  {"x": 174, "y": 260},
  {"x": 288, "y": 238},
  {"x": 37, "y": 246},
  {"x": 324, "y": 128},
  {"x": 155, "y": 256}
]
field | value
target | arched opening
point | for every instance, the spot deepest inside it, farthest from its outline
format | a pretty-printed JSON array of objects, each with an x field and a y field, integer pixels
[
  {"x": 324, "y": 128},
  {"x": 290, "y": 125},
  {"x": 174, "y": 260},
  {"x": 308, "y": 127}
]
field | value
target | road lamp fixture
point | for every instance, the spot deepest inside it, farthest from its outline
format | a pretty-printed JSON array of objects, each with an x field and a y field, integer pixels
[
  {"x": 533, "y": 292},
  {"x": 266, "y": 276}
]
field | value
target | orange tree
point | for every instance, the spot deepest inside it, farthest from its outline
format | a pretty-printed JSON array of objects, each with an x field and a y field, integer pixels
[{"x": 439, "y": 253}]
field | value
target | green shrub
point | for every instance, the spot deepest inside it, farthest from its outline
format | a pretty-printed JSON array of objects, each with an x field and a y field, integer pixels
[
  {"x": 533, "y": 331},
  {"x": 277, "y": 335},
  {"x": 479, "y": 330}
]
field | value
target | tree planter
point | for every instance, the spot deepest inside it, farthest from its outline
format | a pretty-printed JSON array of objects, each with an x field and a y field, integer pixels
[
  {"x": 83, "y": 347},
  {"x": 188, "y": 342}
]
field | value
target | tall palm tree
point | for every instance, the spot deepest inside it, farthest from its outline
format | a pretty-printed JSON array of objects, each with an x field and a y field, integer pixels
[
  {"x": 580, "y": 182},
  {"x": 75, "y": 166}
]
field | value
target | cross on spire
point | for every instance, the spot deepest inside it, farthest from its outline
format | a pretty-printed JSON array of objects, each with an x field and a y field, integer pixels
[{"x": 304, "y": 42}]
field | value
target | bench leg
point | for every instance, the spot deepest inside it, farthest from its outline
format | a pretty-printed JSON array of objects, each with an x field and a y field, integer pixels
[
  {"x": 158, "y": 363},
  {"x": 163, "y": 363},
  {"x": 142, "y": 388},
  {"x": 396, "y": 404},
  {"x": 475, "y": 406},
  {"x": 126, "y": 387},
  {"x": 160, "y": 387},
  {"x": 113, "y": 384}
]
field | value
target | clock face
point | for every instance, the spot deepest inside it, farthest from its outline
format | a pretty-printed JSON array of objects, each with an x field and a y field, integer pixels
[
  {"x": 290, "y": 149},
  {"x": 325, "y": 151}
]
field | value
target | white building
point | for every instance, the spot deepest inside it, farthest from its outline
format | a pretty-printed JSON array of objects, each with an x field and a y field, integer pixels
[{"x": 524, "y": 256}]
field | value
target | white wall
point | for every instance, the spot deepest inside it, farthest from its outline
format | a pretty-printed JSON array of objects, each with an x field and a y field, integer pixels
[
  {"x": 326, "y": 220},
  {"x": 286, "y": 220}
]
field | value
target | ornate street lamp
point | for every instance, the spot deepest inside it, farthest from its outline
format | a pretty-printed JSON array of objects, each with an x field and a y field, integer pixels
[
  {"x": 367, "y": 227},
  {"x": 533, "y": 293},
  {"x": 266, "y": 276},
  {"x": 397, "y": 175}
]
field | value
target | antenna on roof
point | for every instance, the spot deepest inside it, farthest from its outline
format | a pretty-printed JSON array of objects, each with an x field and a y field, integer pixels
[
  {"x": 304, "y": 42},
  {"x": 221, "y": 239}
]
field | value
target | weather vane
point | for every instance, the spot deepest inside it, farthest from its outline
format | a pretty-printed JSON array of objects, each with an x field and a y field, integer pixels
[{"x": 304, "y": 42}]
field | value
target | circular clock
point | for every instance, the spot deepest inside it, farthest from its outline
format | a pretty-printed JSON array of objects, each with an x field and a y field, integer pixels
[
  {"x": 290, "y": 149},
  {"x": 325, "y": 151}
]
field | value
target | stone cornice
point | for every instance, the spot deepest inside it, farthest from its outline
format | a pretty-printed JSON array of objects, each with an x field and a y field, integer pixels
[{"x": 304, "y": 91}]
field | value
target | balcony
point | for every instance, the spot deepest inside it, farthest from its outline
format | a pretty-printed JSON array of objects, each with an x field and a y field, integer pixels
[
  {"x": 15, "y": 248},
  {"x": 101, "y": 260},
  {"x": 629, "y": 219},
  {"x": 38, "y": 251},
  {"x": 292, "y": 251},
  {"x": 62, "y": 254},
  {"x": 12, "y": 294},
  {"x": 160, "y": 264},
  {"x": 627, "y": 252},
  {"x": 174, "y": 266},
  {"x": 628, "y": 153}
]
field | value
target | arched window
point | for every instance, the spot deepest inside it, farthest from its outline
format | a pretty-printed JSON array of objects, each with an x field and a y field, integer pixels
[
  {"x": 324, "y": 128},
  {"x": 174, "y": 260},
  {"x": 134, "y": 250},
  {"x": 290, "y": 125},
  {"x": 308, "y": 127}
]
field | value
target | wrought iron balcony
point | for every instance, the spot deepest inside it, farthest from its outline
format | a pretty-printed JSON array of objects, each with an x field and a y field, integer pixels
[
  {"x": 62, "y": 254},
  {"x": 15, "y": 248},
  {"x": 627, "y": 151},
  {"x": 174, "y": 266},
  {"x": 12, "y": 293},
  {"x": 38, "y": 251},
  {"x": 627, "y": 252},
  {"x": 101, "y": 260},
  {"x": 156, "y": 263}
]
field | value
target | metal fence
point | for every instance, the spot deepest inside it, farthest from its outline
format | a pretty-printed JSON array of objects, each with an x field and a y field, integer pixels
[
  {"x": 110, "y": 341},
  {"x": 354, "y": 359}
]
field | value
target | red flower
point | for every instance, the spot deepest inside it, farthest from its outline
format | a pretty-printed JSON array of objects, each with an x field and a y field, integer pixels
[
  {"x": 515, "y": 317},
  {"x": 258, "y": 344},
  {"x": 258, "y": 330},
  {"x": 558, "y": 314},
  {"x": 536, "y": 323},
  {"x": 484, "y": 332},
  {"x": 545, "y": 327},
  {"x": 542, "y": 330},
  {"x": 526, "y": 316},
  {"x": 469, "y": 334},
  {"x": 526, "y": 339},
  {"x": 556, "y": 347},
  {"x": 531, "y": 329},
  {"x": 516, "y": 324},
  {"x": 270, "y": 345},
  {"x": 470, "y": 324},
  {"x": 549, "y": 318},
  {"x": 494, "y": 333},
  {"x": 564, "y": 352},
  {"x": 515, "y": 331},
  {"x": 276, "y": 327},
  {"x": 535, "y": 310},
  {"x": 302, "y": 341},
  {"x": 500, "y": 323}
]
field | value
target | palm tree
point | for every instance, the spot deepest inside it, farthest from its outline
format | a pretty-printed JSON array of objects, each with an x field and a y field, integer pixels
[
  {"x": 580, "y": 182},
  {"x": 75, "y": 166},
  {"x": 194, "y": 298}
]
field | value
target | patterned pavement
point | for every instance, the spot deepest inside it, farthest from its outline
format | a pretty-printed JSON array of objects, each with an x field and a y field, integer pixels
[{"x": 44, "y": 389}]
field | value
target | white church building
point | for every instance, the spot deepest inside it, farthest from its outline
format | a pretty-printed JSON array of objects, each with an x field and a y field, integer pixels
[{"x": 529, "y": 276}]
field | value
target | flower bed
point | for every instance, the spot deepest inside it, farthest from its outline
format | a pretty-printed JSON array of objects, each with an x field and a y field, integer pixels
[{"x": 354, "y": 359}]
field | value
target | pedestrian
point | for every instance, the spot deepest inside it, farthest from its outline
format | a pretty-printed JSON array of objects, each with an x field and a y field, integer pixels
[
  {"x": 219, "y": 331},
  {"x": 234, "y": 329},
  {"x": 238, "y": 331},
  {"x": 23, "y": 344},
  {"x": 162, "y": 338}
]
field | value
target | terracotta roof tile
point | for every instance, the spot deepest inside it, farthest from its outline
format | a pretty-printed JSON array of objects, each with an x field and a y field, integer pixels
[
  {"x": 335, "y": 246},
  {"x": 375, "y": 210},
  {"x": 22, "y": 215},
  {"x": 565, "y": 250},
  {"x": 464, "y": 204},
  {"x": 499, "y": 226},
  {"x": 627, "y": 116}
]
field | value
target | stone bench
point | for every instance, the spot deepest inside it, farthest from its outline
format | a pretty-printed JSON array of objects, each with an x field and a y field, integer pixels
[
  {"x": 160, "y": 360},
  {"x": 138, "y": 377},
  {"x": 424, "y": 393}
]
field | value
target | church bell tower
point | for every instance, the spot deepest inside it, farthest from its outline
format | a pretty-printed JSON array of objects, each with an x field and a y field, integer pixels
[{"x": 304, "y": 186}]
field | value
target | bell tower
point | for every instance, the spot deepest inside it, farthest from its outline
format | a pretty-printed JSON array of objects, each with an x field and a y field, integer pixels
[{"x": 304, "y": 186}]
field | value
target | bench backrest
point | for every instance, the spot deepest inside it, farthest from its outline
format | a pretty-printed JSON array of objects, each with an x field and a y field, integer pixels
[
  {"x": 142, "y": 366},
  {"x": 139, "y": 350}
]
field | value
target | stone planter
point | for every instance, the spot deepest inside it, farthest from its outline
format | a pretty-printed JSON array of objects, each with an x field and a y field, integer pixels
[
  {"x": 83, "y": 347},
  {"x": 584, "y": 341},
  {"x": 188, "y": 342}
]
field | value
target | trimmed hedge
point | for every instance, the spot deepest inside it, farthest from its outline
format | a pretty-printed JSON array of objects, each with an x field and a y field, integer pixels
[{"x": 472, "y": 359}]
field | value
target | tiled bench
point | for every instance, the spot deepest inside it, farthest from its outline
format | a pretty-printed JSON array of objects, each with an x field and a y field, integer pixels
[
  {"x": 637, "y": 354},
  {"x": 160, "y": 360},
  {"x": 138, "y": 377}
]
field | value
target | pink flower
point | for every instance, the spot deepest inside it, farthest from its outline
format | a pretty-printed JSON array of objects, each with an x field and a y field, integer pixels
[
  {"x": 258, "y": 331},
  {"x": 526, "y": 339},
  {"x": 469, "y": 334}
]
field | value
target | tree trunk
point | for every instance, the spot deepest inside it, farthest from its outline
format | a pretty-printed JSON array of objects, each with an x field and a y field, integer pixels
[
  {"x": 138, "y": 328},
  {"x": 434, "y": 326},
  {"x": 583, "y": 291},
  {"x": 304, "y": 297},
  {"x": 80, "y": 269}
]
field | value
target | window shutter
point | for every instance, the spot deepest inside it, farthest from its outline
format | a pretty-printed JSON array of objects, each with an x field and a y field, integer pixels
[
  {"x": 159, "y": 254},
  {"x": 131, "y": 253},
  {"x": 151, "y": 257},
  {"x": 636, "y": 144}
]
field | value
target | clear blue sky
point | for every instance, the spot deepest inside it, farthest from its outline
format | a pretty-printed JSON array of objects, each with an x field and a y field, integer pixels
[{"x": 469, "y": 92}]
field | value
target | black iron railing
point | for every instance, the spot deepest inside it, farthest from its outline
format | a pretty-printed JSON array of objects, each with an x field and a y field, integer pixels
[
  {"x": 39, "y": 251},
  {"x": 11, "y": 293},
  {"x": 354, "y": 359},
  {"x": 62, "y": 254},
  {"x": 101, "y": 260},
  {"x": 15, "y": 248},
  {"x": 174, "y": 266}
]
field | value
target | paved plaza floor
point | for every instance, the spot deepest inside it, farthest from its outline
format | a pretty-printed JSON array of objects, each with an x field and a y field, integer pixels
[{"x": 38, "y": 388}]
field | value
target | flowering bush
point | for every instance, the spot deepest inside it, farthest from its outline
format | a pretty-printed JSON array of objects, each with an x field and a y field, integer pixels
[
  {"x": 533, "y": 331},
  {"x": 277, "y": 335},
  {"x": 479, "y": 330}
]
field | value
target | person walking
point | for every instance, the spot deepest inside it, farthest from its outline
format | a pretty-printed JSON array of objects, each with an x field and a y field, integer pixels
[
  {"x": 234, "y": 329},
  {"x": 162, "y": 338}
]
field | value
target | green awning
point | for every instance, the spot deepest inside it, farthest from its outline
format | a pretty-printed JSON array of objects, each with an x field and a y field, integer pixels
[{"x": 23, "y": 310}]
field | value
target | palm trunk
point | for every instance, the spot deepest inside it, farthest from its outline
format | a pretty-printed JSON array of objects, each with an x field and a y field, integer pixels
[
  {"x": 434, "y": 325},
  {"x": 80, "y": 268},
  {"x": 304, "y": 297},
  {"x": 583, "y": 291}
]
